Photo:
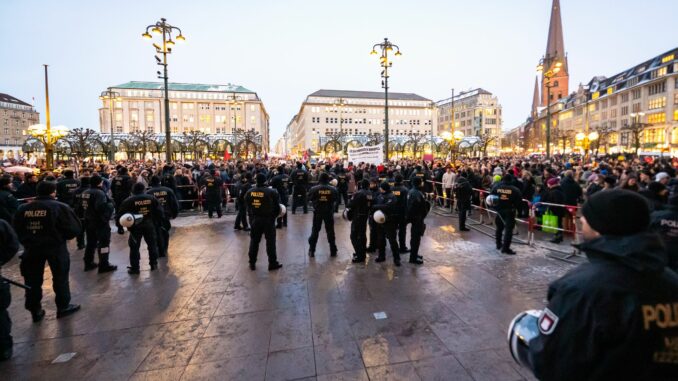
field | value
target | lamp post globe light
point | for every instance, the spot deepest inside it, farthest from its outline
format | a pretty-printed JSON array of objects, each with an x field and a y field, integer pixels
[
  {"x": 549, "y": 66},
  {"x": 165, "y": 30},
  {"x": 385, "y": 47},
  {"x": 110, "y": 96}
]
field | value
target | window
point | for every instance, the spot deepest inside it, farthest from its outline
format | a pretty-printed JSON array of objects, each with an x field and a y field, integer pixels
[
  {"x": 625, "y": 97},
  {"x": 118, "y": 117},
  {"x": 187, "y": 106},
  {"x": 613, "y": 101},
  {"x": 675, "y": 98},
  {"x": 636, "y": 94},
  {"x": 149, "y": 128},
  {"x": 6, "y": 131},
  {"x": 204, "y": 106},
  {"x": 656, "y": 103},
  {"x": 613, "y": 113},
  {"x": 659, "y": 72},
  {"x": 657, "y": 88},
  {"x": 220, "y": 119},
  {"x": 118, "y": 129},
  {"x": 675, "y": 114},
  {"x": 658, "y": 117},
  {"x": 149, "y": 116},
  {"x": 636, "y": 107},
  {"x": 624, "y": 110}
]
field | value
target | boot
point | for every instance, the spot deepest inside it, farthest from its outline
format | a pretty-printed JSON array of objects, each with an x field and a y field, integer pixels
[
  {"x": 6, "y": 354},
  {"x": 104, "y": 265},
  {"x": 38, "y": 316},
  {"x": 91, "y": 266},
  {"x": 70, "y": 310}
]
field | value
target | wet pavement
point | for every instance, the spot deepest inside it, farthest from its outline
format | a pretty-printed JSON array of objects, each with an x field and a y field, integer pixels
[{"x": 205, "y": 316}]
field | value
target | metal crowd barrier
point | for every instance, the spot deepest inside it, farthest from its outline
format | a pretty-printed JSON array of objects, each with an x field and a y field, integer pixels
[{"x": 530, "y": 224}]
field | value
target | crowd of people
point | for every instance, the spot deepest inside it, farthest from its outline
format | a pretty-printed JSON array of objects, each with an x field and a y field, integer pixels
[{"x": 43, "y": 211}]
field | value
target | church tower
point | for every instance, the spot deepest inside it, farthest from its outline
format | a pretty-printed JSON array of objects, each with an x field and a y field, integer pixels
[{"x": 555, "y": 53}]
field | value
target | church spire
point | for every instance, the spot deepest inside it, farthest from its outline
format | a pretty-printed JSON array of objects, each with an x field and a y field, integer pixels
[
  {"x": 536, "y": 99},
  {"x": 555, "y": 47}
]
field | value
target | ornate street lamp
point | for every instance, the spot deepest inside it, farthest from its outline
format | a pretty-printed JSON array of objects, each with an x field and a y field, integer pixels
[
  {"x": 384, "y": 62},
  {"x": 548, "y": 66},
  {"x": 246, "y": 136},
  {"x": 165, "y": 30},
  {"x": 111, "y": 96},
  {"x": 44, "y": 133}
]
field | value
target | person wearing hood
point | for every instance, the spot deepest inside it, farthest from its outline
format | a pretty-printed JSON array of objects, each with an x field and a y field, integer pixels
[
  {"x": 665, "y": 223},
  {"x": 616, "y": 316},
  {"x": 555, "y": 195},
  {"x": 657, "y": 195}
]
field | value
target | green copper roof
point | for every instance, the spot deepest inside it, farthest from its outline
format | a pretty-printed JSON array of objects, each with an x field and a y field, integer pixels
[{"x": 229, "y": 88}]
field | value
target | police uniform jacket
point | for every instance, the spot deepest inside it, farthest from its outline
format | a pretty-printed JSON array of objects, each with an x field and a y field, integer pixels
[
  {"x": 342, "y": 181},
  {"x": 417, "y": 207},
  {"x": 143, "y": 204},
  {"x": 262, "y": 202},
  {"x": 299, "y": 179},
  {"x": 665, "y": 222},
  {"x": 279, "y": 182},
  {"x": 388, "y": 203},
  {"x": 613, "y": 318},
  {"x": 510, "y": 197},
  {"x": 323, "y": 197},
  {"x": 95, "y": 206},
  {"x": 463, "y": 192},
  {"x": 361, "y": 203},
  {"x": 9, "y": 243},
  {"x": 66, "y": 190},
  {"x": 401, "y": 192},
  {"x": 212, "y": 188},
  {"x": 45, "y": 223},
  {"x": 77, "y": 201},
  {"x": 121, "y": 187},
  {"x": 167, "y": 199},
  {"x": 8, "y": 205}
]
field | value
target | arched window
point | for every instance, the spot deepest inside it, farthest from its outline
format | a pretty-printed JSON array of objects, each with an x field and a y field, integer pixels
[{"x": 555, "y": 84}]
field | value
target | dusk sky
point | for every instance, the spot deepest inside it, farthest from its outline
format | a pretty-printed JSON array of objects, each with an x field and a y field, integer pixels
[{"x": 285, "y": 50}]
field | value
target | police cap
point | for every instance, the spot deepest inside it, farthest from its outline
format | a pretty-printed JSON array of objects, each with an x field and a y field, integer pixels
[{"x": 46, "y": 188}]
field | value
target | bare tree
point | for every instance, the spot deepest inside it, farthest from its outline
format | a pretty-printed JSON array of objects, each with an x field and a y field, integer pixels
[
  {"x": 142, "y": 140},
  {"x": 636, "y": 129}
]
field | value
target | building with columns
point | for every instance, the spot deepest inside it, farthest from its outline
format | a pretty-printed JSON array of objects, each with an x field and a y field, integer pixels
[
  {"x": 211, "y": 109},
  {"x": 15, "y": 117},
  {"x": 477, "y": 113},
  {"x": 358, "y": 116}
]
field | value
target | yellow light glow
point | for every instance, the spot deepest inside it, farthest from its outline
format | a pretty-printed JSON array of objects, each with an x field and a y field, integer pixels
[
  {"x": 556, "y": 70},
  {"x": 447, "y": 135},
  {"x": 593, "y": 136},
  {"x": 559, "y": 64},
  {"x": 398, "y": 53},
  {"x": 458, "y": 135},
  {"x": 580, "y": 136},
  {"x": 540, "y": 68},
  {"x": 156, "y": 30},
  {"x": 170, "y": 43},
  {"x": 373, "y": 52},
  {"x": 181, "y": 37},
  {"x": 146, "y": 36}
]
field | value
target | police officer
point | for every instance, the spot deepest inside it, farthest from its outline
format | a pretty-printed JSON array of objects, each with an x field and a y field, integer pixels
[
  {"x": 152, "y": 215},
  {"x": 665, "y": 222},
  {"x": 463, "y": 192},
  {"x": 280, "y": 182},
  {"x": 374, "y": 230},
  {"x": 241, "y": 190},
  {"x": 9, "y": 245},
  {"x": 66, "y": 188},
  {"x": 299, "y": 191},
  {"x": 263, "y": 205},
  {"x": 510, "y": 200},
  {"x": 170, "y": 206},
  {"x": 360, "y": 207},
  {"x": 213, "y": 196},
  {"x": 43, "y": 227},
  {"x": 417, "y": 209},
  {"x": 121, "y": 187},
  {"x": 342, "y": 187},
  {"x": 323, "y": 197},
  {"x": 388, "y": 204},
  {"x": 614, "y": 317},
  {"x": 8, "y": 203},
  {"x": 80, "y": 211},
  {"x": 401, "y": 191},
  {"x": 98, "y": 209}
]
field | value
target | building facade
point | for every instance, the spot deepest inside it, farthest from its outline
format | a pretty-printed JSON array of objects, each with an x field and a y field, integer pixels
[
  {"x": 325, "y": 114},
  {"x": 211, "y": 109},
  {"x": 476, "y": 112},
  {"x": 15, "y": 117}
]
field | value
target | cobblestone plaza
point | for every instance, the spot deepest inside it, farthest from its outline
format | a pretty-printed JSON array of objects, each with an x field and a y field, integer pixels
[{"x": 205, "y": 316}]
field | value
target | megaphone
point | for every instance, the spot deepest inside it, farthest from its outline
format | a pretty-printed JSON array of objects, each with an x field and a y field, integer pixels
[
  {"x": 379, "y": 217},
  {"x": 492, "y": 200},
  {"x": 128, "y": 219},
  {"x": 523, "y": 328},
  {"x": 334, "y": 182},
  {"x": 283, "y": 211}
]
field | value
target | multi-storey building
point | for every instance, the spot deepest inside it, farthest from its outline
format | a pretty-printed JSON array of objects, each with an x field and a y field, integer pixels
[
  {"x": 357, "y": 113},
  {"x": 212, "y": 109},
  {"x": 15, "y": 117},
  {"x": 643, "y": 98},
  {"x": 476, "y": 113}
]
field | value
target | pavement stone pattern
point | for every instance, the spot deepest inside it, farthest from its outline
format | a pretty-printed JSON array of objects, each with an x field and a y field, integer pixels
[{"x": 205, "y": 316}]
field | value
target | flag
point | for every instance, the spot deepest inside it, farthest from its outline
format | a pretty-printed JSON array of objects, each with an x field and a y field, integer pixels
[{"x": 227, "y": 155}]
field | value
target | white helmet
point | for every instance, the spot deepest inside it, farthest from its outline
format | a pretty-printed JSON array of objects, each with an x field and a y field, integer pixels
[
  {"x": 379, "y": 217},
  {"x": 492, "y": 200},
  {"x": 128, "y": 219},
  {"x": 283, "y": 210},
  {"x": 522, "y": 330},
  {"x": 334, "y": 182}
]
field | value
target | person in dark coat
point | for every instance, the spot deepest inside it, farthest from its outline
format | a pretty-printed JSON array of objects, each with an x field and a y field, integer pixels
[
  {"x": 614, "y": 317},
  {"x": 571, "y": 189},
  {"x": 463, "y": 194},
  {"x": 9, "y": 245},
  {"x": 213, "y": 193},
  {"x": 8, "y": 203},
  {"x": 28, "y": 188},
  {"x": 665, "y": 222}
]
